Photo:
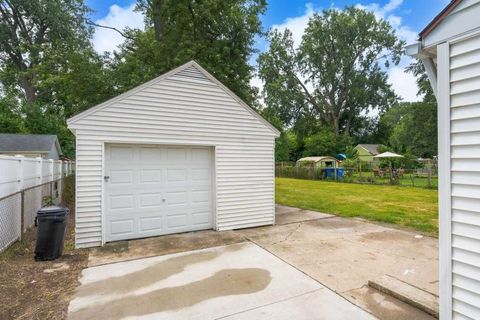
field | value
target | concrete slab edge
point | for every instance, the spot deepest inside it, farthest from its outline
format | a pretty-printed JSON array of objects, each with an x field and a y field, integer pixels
[
  {"x": 153, "y": 255},
  {"x": 386, "y": 288},
  {"x": 326, "y": 287}
]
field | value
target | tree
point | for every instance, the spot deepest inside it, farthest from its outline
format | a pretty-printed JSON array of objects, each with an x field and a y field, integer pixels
[
  {"x": 325, "y": 143},
  {"x": 48, "y": 65},
  {"x": 335, "y": 73},
  {"x": 34, "y": 34},
  {"x": 219, "y": 34},
  {"x": 10, "y": 117},
  {"x": 416, "y": 132}
]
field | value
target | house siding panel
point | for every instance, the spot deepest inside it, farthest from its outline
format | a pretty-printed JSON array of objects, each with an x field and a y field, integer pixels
[
  {"x": 465, "y": 177},
  {"x": 186, "y": 108}
]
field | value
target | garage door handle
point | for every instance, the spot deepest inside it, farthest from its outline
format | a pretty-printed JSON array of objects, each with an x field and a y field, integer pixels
[{"x": 106, "y": 178}]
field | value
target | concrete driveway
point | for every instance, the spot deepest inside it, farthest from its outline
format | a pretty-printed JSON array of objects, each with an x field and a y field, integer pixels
[
  {"x": 309, "y": 266},
  {"x": 239, "y": 281}
]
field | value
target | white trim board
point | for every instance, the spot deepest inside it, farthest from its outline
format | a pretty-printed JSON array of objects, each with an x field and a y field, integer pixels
[{"x": 444, "y": 187}]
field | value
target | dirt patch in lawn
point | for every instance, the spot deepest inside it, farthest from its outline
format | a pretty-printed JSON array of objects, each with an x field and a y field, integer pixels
[{"x": 39, "y": 290}]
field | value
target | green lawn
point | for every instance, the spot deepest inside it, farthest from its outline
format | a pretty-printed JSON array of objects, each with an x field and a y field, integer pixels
[{"x": 406, "y": 206}]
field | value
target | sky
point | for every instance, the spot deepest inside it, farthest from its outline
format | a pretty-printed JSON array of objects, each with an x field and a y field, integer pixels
[{"x": 408, "y": 18}]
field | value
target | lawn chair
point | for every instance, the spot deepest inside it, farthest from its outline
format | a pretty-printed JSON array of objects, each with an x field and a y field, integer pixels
[{"x": 379, "y": 173}]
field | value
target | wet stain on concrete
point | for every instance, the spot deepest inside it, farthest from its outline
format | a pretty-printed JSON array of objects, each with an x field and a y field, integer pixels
[
  {"x": 145, "y": 277},
  {"x": 223, "y": 283}
]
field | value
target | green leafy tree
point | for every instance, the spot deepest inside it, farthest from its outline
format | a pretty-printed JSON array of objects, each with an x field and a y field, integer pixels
[
  {"x": 326, "y": 143},
  {"x": 416, "y": 132},
  {"x": 335, "y": 73},
  {"x": 219, "y": 34},
  {"x": 10, "y": 117},
  {"x": 48, "y": 64}
]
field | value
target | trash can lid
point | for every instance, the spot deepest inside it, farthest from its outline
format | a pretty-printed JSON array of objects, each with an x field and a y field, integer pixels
[{"x": 52, "y": 210}]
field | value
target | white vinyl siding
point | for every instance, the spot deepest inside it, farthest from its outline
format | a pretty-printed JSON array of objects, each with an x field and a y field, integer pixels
[
  {"x": 463, "y": 19},
  {"x": 465, "y": 176},
  {"x": 190, "y": 109}
]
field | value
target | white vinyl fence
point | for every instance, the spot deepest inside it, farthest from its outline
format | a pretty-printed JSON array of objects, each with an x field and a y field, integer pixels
[{"x": 26, "y": 184}]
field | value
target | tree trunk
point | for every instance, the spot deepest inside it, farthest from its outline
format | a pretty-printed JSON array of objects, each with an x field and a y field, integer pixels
[
  {"x": 157, "y": 19},
  {"x": 336, "y": 124},
  {"x": 28, "y": 87}
]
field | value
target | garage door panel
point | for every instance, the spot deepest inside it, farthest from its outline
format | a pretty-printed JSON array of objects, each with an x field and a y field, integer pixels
[
  {"x": 201, "y": 218},
  {"x": 177, "y": 220},
  {"x": 176, "y": 175},
  {"x": 177, "y": 154},
  {"x": 121, "y": 177},
  {"x": 149, "y": 200},
  {"x": 123, "y": 153},
  {"x": 201, "y": 197},
  {"x": 122, "y": 227},
  {"x": 150, "y": 224},
  {"x": 201, "y": 155},
  {"x": 122, "y": 202},
  {"x": 176, "y": 199},
  {"x": 149, "y": 154},
  {"x": 157, "y": 190},
  {"x": 149, "y": 176},
  {"x": 200, "y": 174}
]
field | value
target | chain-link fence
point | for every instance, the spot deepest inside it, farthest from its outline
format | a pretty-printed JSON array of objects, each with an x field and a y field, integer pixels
[
  {"x": 18, "y": 210},
  {"x": 419, "y": 177}
]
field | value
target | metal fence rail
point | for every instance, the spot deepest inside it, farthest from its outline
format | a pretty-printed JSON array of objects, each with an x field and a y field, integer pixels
[
  {"x": 424, "y": 178},
  {"x": 18, "y": 210}
]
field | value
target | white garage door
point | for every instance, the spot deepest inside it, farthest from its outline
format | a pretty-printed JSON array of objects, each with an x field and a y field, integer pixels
[{"x": 155, "y": 190}]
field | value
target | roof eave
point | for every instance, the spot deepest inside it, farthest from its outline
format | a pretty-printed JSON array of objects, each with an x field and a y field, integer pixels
[{"x": 438, "y": 19}]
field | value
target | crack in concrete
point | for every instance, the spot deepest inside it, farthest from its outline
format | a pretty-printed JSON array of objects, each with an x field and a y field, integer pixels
[{"x": 288, "y": 235}]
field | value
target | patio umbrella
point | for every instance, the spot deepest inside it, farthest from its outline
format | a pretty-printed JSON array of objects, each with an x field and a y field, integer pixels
[{"x": 389, "y": 155}]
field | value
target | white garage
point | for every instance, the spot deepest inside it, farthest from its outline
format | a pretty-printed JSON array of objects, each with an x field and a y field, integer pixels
[{"x": 178, "y": 153}]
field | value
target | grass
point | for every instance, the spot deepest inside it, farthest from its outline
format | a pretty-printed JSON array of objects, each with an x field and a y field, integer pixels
[{"x": 405, "y": 206}]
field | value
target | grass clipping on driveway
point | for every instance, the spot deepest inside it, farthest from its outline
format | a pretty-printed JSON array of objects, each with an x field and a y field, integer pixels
[{"x": 405, "y": 206}]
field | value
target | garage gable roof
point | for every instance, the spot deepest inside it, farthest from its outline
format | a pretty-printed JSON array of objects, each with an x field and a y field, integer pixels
[{"x": 190, "y": 71}]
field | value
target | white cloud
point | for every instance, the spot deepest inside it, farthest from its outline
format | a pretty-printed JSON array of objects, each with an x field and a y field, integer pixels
[
  {"x": 297, "y": 25},
  {"x": 119, "y": 18},
  {"x": 403, "y": 83}
]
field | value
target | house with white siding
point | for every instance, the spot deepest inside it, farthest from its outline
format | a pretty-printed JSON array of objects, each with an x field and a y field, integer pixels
[
  {"x": 179, "y": 153},
  {"x": 449, "y": 48}
]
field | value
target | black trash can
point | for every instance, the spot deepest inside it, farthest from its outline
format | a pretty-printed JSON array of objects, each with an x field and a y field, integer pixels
[{"x": 52, "y": 227}]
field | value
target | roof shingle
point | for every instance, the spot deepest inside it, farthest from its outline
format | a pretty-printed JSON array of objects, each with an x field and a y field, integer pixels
[{"x": 26, "y": 142}]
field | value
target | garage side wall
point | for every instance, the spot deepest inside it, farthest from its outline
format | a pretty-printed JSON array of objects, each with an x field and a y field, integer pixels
[
  {"x": 186, "y": 108},
  {"x": 459, "y": 192}
]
